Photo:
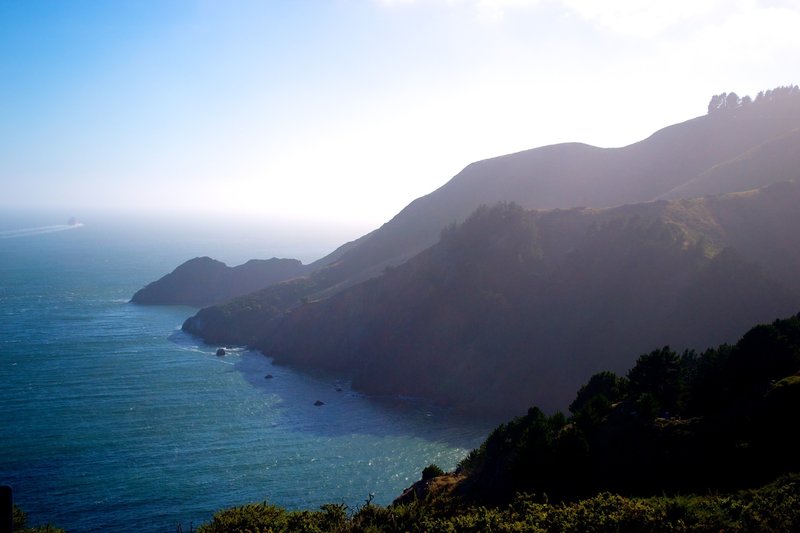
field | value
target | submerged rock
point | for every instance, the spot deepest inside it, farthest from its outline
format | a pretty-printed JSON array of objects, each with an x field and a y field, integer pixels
[{"x": 318, "y": 403}]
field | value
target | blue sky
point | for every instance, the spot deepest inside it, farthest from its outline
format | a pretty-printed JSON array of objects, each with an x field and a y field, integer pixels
[{"x": 346, "y": 110}]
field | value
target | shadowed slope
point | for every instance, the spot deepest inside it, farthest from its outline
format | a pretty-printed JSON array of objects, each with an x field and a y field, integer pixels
[{"x": 515, "y": 307}]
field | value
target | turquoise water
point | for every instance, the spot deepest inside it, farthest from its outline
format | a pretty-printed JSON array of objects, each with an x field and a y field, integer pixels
[{"x": 114, "y": 420}]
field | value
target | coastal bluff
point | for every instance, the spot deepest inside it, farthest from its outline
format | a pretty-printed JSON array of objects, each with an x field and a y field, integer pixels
[{"x": 205, "y": 281}]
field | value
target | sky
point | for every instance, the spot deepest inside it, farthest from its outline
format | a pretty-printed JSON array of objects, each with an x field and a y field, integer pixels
[{"x": 344, "y": 111}]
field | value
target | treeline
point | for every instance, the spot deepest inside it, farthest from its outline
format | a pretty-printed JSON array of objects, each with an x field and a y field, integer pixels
[
  {"x": 773, "y": 508},
  {"x": 676, "y": 423},
  {"x": 727, "y": 102}
]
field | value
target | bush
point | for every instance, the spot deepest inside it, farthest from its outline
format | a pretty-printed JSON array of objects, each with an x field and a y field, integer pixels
[{"x": 431, "y": 471}]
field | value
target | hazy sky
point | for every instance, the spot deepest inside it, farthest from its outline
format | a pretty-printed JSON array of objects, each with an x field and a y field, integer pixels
[{"x": 346, "y": 110}]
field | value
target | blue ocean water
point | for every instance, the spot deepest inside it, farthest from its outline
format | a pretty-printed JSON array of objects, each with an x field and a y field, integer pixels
[{"x": 112, "y": 419}]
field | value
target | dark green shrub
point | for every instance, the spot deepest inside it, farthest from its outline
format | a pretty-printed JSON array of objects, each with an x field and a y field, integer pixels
[{"x": 431, "y": 471}]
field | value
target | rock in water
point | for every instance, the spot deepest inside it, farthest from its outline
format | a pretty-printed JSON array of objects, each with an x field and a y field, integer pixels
[
  {"x": 318, "y": 403},
  {"x": 220, "y": 351}
]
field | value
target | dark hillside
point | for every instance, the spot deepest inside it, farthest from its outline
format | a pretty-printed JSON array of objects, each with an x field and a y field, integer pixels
[
  {"x": 676, "y": 423},
  {"x": 514, "y": 308}
]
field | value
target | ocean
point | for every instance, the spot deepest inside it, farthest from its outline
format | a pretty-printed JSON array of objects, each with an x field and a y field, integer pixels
[{"x": 113, "y": 419}]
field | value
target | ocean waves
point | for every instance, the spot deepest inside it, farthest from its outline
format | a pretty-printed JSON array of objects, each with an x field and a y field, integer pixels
[{"x": 116, "y": 420}]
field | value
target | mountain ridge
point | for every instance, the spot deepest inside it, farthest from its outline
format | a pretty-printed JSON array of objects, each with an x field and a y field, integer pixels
[
  {"x": 554, "y": 176},
  {"x": 561, "y": 177}
]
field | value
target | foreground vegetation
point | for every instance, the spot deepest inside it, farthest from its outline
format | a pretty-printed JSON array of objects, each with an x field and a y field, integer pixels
[
  {"x": 773, "y": 508},
  {"x": 20, "y": 523},
  {"x": 676, "y": 423}
]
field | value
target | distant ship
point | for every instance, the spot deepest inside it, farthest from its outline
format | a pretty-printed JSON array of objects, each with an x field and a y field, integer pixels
[{"x": 73, "y": 221}]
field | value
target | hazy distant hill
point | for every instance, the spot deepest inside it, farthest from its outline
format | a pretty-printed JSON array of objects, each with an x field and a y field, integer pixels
[
  {"x": 573, "y": 174},
  {"x": 531, "y": 303},
  {"x": 205, "y": 281},
  {"x": 774, "y": 160}
]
